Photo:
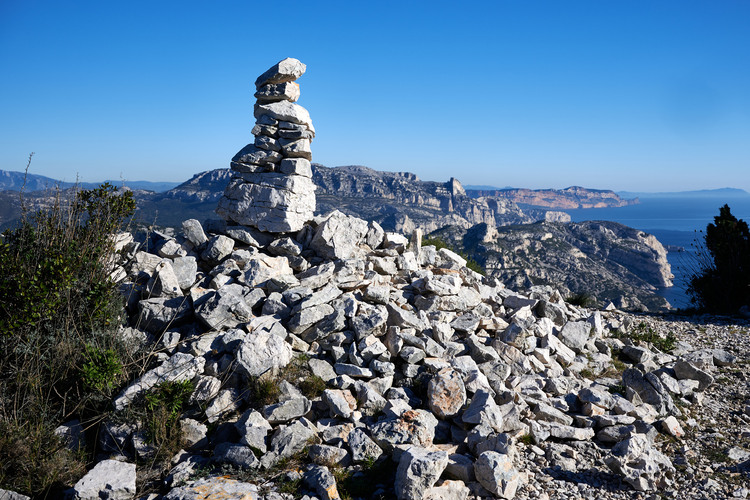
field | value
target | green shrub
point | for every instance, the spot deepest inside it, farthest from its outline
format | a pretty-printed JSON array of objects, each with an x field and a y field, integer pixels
[
  {"x": 644, "y": 333},
  {"x": 581, "y": 299},
  {"x": 526, "y": 439},
  {"x": 164, "y": 404},
  {"x": 263, "y": 391},
  {"x": 100, "y": 370},
  {"x": 58, "y": 318},
  {"x": 720, "y": 276}
]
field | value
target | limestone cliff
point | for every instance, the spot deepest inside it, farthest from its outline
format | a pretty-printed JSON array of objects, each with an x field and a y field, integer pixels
[
  {"x": 568, "y": 198},
  {"x": 401, "y": 201},
  {"x": 605, "y": 259}
]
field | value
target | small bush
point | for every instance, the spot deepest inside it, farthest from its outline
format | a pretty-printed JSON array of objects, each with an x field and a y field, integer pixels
[
  {"x": 581, "y": 299},
  {"x": 526, "y": 439},
  {"x": 58, "y": 319},
  {"x": 312, "y": 386},
  {"x": 164, "y": 405},
  {"x": 644, "y": 333},
  {"x": 720, "y": 275},
  {"x": 263, "y": 391},
  {"x": 101, "y": 369}
]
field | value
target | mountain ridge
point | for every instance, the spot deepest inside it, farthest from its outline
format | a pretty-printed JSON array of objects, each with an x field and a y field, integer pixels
[
  {"x": 11, "y": 180},
  {"x": 725, "y": 192},
  {"x": 401, "y": 202},
  {"x": 571, "y": 197}
]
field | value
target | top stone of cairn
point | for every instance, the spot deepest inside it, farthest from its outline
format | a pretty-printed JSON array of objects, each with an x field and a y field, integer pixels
[{"x": 287, "y": 70}]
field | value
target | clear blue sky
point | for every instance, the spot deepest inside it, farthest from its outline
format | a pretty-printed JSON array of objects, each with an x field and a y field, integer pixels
[{"x": 632, "y": 95}]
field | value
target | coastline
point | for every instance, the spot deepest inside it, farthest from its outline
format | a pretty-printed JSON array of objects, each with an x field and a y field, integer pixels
[{"x": 677, "y": 222}]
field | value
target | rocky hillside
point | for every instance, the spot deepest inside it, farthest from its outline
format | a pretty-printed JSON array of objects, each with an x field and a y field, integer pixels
[
  {"x": 399, "y": 201},
  {"x": 400, "y": 373},
  {"x": 568, "y": 198},
  {"x": 606, "y": 260}
]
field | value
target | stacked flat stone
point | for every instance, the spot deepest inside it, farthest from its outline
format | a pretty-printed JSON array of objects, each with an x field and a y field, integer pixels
[{"x": 271, "y": 186}]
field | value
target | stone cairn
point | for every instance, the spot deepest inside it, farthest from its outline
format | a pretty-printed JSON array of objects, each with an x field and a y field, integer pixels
[{"x": 271, "y": 187}]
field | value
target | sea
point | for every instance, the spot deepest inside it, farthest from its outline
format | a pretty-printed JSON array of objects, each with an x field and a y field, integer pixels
[{"x": 676, "y": 219}]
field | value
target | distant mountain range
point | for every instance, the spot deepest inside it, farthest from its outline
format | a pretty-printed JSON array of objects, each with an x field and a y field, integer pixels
[
  {"x": 483, "y": 187},
  {"x": 15, "y": 181},
  {"x": 569, "y": 198},
  {"x": 703, "y": 193}
]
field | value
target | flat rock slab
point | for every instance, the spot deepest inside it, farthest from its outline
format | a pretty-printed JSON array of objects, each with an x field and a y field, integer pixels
[
  {"x": 286, "y": 70},
  {"x": 109, "y": 479},
  {"x": 215, "y": 488},
  {"x": 446, "y": 394}
]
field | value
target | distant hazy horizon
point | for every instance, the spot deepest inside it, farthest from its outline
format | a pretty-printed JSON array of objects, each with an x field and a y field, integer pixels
[
  {"x": 632, "y": 96},
  {"x": 623, "y": 194}
]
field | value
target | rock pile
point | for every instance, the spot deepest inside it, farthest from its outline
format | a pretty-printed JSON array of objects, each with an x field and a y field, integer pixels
[
  {"x": 271, "y": 187},
  {"x": 469, "y": 389}
]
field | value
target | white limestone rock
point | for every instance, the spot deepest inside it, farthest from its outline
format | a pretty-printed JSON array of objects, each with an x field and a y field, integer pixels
[
  {"x": 193, "y": 231},
  {"x": 109, "y": 479},
  {"x": 338, "y": 236},
  {"x": 285, "y": 111},
  {"x": 261, "y": 352},
  {"x": 286, "y": 91},
  {"x": 217, "y": 487},
  {"x": 296, "y": 166},
  {"x": 495, "y": 472},
  {"x": 284, "y": 207},
  {"x": 286, "y": 70},
  {"x": 418, "y": 470},
  {"x": 446, "y": 393},
  {"x": 642, "y": 466},
  {"x": 225, "y": 402}
]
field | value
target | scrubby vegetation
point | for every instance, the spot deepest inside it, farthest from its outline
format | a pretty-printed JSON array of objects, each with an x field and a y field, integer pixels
[
  {"x": 58, "y": 317},
  {"x": 720, "y": 277},
  {"x": 644, "y": 333},
  {"x": 581, "y": 299},
  {"x": 164, "y": 405},
  {"x": 265, "y": 390}
]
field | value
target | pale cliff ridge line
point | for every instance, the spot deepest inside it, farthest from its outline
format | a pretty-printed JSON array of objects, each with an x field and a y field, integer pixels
[{"x": 569, "y": 198}]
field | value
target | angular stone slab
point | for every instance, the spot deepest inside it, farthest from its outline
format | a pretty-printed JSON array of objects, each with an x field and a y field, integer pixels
[
  {"x": 286, "y": 111},
  {"x": 108, "y": 479},
  {"x": 418, "y": 470},
  {"x": 495, "y": 472},
  {"x": 286, "y": 70}
]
